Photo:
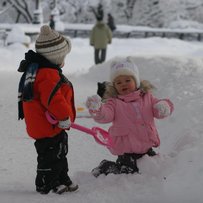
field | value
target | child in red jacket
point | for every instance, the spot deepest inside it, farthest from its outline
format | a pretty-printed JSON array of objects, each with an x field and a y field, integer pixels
[{"x": 43, "y": 88}]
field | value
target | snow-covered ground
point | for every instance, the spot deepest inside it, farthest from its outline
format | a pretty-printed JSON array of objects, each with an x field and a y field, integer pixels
[{"x": 176, "y": 175}]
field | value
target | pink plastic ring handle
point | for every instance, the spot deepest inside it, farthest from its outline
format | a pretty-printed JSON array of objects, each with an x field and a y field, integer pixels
[
  {"x": 50, "y": 118},
  {"x": 102, "y": 137}
]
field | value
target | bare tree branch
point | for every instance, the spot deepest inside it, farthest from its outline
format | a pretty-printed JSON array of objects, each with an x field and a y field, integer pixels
[
  {"x": 27, "y": 9},
  {"x": 3, "y": 11},
  {"x": 22, "y": 10}
]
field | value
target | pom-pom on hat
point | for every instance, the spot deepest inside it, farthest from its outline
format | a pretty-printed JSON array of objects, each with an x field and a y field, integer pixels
[
  {"x": 52, "y": 45},
  {"x": 124, "y": 67}
]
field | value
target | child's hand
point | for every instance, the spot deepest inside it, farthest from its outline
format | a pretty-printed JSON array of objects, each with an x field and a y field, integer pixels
[
  {"x": 93, "y": 103},
  {"x": 65, "y": 124},
  {"x": 163, "y": 108}
]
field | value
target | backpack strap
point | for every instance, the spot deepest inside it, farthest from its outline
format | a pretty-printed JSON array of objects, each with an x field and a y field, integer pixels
[
  {"x": 53, "y": 92},
  {"x": 62, "y": 80}
]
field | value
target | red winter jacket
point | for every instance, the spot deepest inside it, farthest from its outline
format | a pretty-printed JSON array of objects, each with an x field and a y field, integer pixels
[{"x": 61, "y": 105}]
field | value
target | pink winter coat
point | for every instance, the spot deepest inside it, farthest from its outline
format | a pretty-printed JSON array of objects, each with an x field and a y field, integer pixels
[{"x": 133, "y": 128}]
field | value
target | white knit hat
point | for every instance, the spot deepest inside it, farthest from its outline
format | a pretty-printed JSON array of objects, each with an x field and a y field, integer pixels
[
  {"x": 124, "y": 67},
  {"x": 52, "y": 45}
]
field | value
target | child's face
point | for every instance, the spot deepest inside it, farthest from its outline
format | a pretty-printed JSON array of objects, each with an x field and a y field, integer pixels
[{"x": 125, "y": 84}]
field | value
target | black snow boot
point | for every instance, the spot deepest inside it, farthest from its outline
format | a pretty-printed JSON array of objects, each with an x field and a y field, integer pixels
[{"x": 106, "y": 167}]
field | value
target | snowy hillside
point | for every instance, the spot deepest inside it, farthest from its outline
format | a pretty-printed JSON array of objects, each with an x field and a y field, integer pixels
[{"x": 175, "y": 175}]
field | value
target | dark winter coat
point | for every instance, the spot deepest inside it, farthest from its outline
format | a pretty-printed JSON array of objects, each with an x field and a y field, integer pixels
[
  {"x": 100, "y": 36},
  {"x": 111, "y": 23}
]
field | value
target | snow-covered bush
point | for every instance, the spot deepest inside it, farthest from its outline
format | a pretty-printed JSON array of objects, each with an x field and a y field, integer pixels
[{"x": 17, "y": 35}]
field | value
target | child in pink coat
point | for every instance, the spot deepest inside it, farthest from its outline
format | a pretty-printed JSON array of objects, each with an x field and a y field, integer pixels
[{"x": 132, "y": 114}]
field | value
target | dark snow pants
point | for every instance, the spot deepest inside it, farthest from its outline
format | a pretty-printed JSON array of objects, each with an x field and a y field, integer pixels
[
  {"x": 126, "y": 163},
  {"x": 52, "y": 167},
  {"x": 99, "y": 55}
]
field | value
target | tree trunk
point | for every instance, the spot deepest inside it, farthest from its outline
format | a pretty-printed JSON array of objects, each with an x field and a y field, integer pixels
[
  {"x": 18, "y": 17},
  {"x": 37, "y": 4}
]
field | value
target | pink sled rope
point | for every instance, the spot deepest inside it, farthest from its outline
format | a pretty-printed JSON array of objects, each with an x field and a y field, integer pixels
[{"x": 100, "y": 135}]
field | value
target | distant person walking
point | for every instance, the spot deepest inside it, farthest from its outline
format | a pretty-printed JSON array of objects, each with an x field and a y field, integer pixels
[
  {"x": 111, "y": 22},
  {"x": 52, "y": 22},
  {"x": 100, "y": 37}
]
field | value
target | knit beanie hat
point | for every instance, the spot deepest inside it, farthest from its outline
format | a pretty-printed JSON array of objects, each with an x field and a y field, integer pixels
[
  {"x": 124, "y": 67},
  {"x": 52, "y": 45}
]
